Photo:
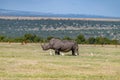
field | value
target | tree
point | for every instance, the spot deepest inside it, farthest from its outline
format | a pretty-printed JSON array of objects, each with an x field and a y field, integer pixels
[
  {"x": 2, "y": 38},
  {"x": 67, "y": 38},
  {"x": 99, "y": 40},
  {"x": 91, "y": 40},
  {"x": 80, "y": 39},
  {"x": 115, "y": 42},
  {"x": 49, "y": 38},
  {"x": 31, "y": 38},
  {"x": 102, "y": 40}
]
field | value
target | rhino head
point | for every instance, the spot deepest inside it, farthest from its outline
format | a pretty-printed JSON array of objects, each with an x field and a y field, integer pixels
[{"x": 46, "y": 46}]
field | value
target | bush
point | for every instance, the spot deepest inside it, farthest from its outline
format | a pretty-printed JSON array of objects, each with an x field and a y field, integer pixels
[{"x": 80, "y": 39}]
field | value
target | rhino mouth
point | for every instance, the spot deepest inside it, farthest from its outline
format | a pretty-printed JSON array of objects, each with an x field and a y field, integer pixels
[{"x": 45, "y": 47}]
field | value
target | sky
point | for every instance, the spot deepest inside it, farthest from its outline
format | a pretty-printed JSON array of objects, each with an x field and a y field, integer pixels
[{"x": 89, "y": 7}]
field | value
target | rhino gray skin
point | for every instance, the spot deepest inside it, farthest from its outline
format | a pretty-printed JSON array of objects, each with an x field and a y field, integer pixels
[{"x": 61, "y": 46}]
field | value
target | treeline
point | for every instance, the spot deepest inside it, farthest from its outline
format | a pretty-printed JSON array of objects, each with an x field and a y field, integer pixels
[{"x": 80, "y": 39}]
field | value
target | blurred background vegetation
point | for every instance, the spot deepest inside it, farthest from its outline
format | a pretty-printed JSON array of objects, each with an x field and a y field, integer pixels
[{"x": 80, "y": 39}]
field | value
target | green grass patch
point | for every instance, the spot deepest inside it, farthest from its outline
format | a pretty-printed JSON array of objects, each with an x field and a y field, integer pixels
[{"x": 30, "y": 62}]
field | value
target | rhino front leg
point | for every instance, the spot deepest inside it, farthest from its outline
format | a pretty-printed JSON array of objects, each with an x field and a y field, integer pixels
[
  {"x": 74, "y": 52},
  {"x": 51, "y": 53},
  {"x": 77, "y": 52}
]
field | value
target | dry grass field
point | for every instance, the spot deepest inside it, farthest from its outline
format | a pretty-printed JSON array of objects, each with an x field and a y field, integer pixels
[{"x": 30, "y": 62}]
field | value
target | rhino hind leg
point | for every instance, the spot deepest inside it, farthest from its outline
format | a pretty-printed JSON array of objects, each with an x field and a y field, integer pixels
[{"x": 57, "y": 52}]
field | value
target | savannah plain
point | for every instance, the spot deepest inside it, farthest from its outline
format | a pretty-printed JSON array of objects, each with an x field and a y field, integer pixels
[{"x": 30, "y": 62}]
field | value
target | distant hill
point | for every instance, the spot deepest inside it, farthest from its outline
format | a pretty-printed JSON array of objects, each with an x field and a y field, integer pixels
[
  {"x": 60, "y": 27},
  {"x": 5, "y": 12}
]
